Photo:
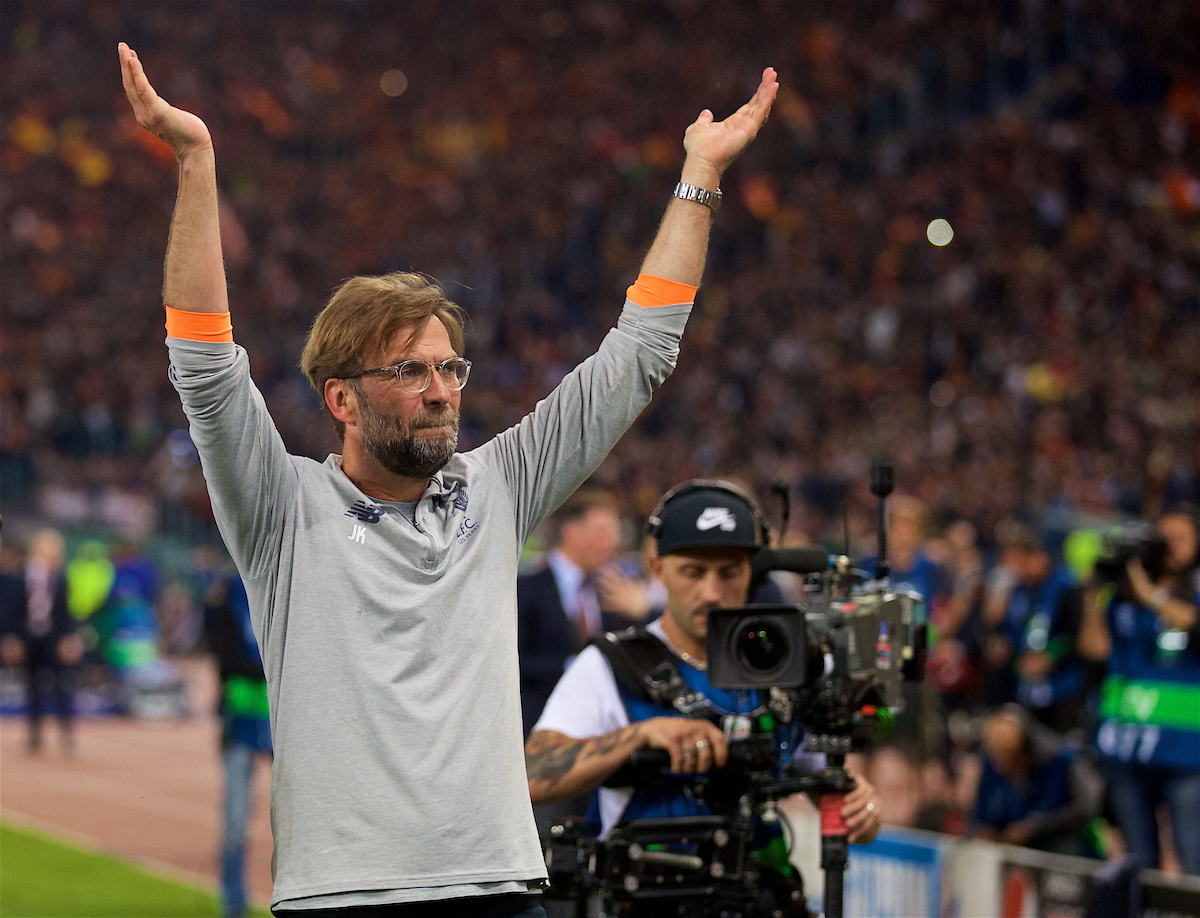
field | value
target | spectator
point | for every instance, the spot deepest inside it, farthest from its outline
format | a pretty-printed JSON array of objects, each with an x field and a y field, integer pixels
[
  {"x": 1147, "y": 632},
  {"x": 910, "y": 565},
  {"x": 1046, "y": 357},
  {"x": 1036, "y": 789}
]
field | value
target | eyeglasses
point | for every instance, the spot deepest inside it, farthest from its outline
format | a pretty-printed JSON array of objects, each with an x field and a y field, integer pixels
[{"x": 415, "y": 376}]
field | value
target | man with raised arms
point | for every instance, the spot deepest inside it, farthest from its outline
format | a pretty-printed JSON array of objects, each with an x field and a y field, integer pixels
[{"x": 382, "y": 581}]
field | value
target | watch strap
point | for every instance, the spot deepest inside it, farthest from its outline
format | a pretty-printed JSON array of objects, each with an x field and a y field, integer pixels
[{"x": 710, "y": 199}]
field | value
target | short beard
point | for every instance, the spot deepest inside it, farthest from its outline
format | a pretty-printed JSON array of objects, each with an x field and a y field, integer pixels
[{"x": 392, "y": 442}]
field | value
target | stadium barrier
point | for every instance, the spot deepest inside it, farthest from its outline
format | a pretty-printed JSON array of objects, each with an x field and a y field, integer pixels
[{"x": 907, "y": 873}]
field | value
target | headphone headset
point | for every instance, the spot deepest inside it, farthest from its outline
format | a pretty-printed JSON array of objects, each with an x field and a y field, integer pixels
[{"x": 762, "y": 529}]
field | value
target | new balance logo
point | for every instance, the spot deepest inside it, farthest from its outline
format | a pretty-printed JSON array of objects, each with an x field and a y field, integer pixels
[
  {"x": 713, "y": 517},
  {"x": 359, "y": 535},
  {"x": 368, "y": 513}
]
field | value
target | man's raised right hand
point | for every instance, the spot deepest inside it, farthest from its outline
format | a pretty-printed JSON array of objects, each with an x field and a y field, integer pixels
[{"x": 182, "y": 131}]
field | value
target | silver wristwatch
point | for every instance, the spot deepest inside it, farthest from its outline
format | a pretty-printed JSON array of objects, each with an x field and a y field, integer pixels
[{"x": 710, "y": 199}]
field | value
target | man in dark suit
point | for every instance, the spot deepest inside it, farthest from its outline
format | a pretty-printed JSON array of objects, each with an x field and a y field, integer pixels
[
  {"x": 557, "y": 605},
  {"x": 41, "y": 633}
]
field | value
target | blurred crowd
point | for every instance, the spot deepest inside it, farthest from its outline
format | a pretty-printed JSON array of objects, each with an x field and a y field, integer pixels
[
  {"x": 1046, "y": 359},
  {"x": 1043, "y": 366}
]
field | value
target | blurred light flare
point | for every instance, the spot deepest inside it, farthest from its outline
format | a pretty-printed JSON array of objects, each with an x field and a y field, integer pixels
[
  {"x": 939, "y": 232},
  {"x": 393, "y": 83}
]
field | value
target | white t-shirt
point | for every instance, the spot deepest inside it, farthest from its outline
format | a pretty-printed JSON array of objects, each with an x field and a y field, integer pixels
[{"x": 587, "y": 703}]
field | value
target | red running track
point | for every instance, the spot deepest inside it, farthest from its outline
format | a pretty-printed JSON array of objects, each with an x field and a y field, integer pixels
[{"x": 149, "y": 791}]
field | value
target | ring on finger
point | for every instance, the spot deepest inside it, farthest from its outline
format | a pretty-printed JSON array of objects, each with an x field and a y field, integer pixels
[{"x": 702, "y": 744}]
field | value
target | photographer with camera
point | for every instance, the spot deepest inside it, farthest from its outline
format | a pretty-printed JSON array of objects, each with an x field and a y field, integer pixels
[
  {"x": 706, "y": 535},
  {"x": 1142, "y": 621},
  {"x": 1035, "y": 617}
]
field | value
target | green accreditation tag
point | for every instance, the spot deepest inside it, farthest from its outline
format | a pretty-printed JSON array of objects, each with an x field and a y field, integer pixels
[
  {"x": 246, "y": 697},
  {"x": 1171, "y": 645},
  {"x": 1037, "y": 634}
]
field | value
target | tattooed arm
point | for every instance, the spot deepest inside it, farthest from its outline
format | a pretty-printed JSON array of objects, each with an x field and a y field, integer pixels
[{"x": 560, "y": 767}]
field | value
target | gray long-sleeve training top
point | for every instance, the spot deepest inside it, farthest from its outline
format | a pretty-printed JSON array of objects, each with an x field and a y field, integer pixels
[{"x": 389, "y": 631}]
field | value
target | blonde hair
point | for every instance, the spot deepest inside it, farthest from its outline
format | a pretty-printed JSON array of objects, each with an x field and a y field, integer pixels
[{"x": 362, "y": 316}]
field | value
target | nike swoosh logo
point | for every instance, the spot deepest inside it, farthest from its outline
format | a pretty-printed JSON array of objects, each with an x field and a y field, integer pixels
[{"x": 714, "y": 517}]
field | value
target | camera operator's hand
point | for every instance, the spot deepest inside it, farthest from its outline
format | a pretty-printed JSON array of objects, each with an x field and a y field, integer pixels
[
  {"x": 861, "y": 811},
  {"x": 1174, "y": 612},
  {"x": 694, "y": 745}
]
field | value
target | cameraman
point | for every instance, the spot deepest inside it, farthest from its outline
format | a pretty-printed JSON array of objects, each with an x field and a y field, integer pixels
[
  {"x": 590, "y": 726},
  {"x": 1146, "y": 629}
]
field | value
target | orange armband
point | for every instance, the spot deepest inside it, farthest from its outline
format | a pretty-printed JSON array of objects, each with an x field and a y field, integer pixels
[
  {"x": 199, "y": 326},
  {"x": 649, "y": 290}
]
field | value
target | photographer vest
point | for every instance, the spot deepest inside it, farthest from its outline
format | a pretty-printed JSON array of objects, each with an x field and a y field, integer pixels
[
  {"x": 653, "y": 682},
  {"x": 1150, "y": 699}
]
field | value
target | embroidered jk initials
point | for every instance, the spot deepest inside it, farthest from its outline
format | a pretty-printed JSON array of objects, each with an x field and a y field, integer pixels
[{"x": 359, "y": 535}]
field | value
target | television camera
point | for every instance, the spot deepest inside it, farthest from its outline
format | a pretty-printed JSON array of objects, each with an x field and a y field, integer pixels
[
  {"x": 828, "y": 674},
  {"x": 1135, "y": 540}
]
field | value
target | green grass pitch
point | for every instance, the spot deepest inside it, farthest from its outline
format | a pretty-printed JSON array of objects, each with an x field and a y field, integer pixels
[{"x": 41, "y": 877}]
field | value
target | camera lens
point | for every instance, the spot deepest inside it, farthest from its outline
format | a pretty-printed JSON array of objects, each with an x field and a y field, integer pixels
[{"x": 762, "y": 644}]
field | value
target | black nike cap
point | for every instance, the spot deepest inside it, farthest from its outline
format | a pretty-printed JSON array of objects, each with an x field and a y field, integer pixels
[{"x": 706, "y": 518}]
